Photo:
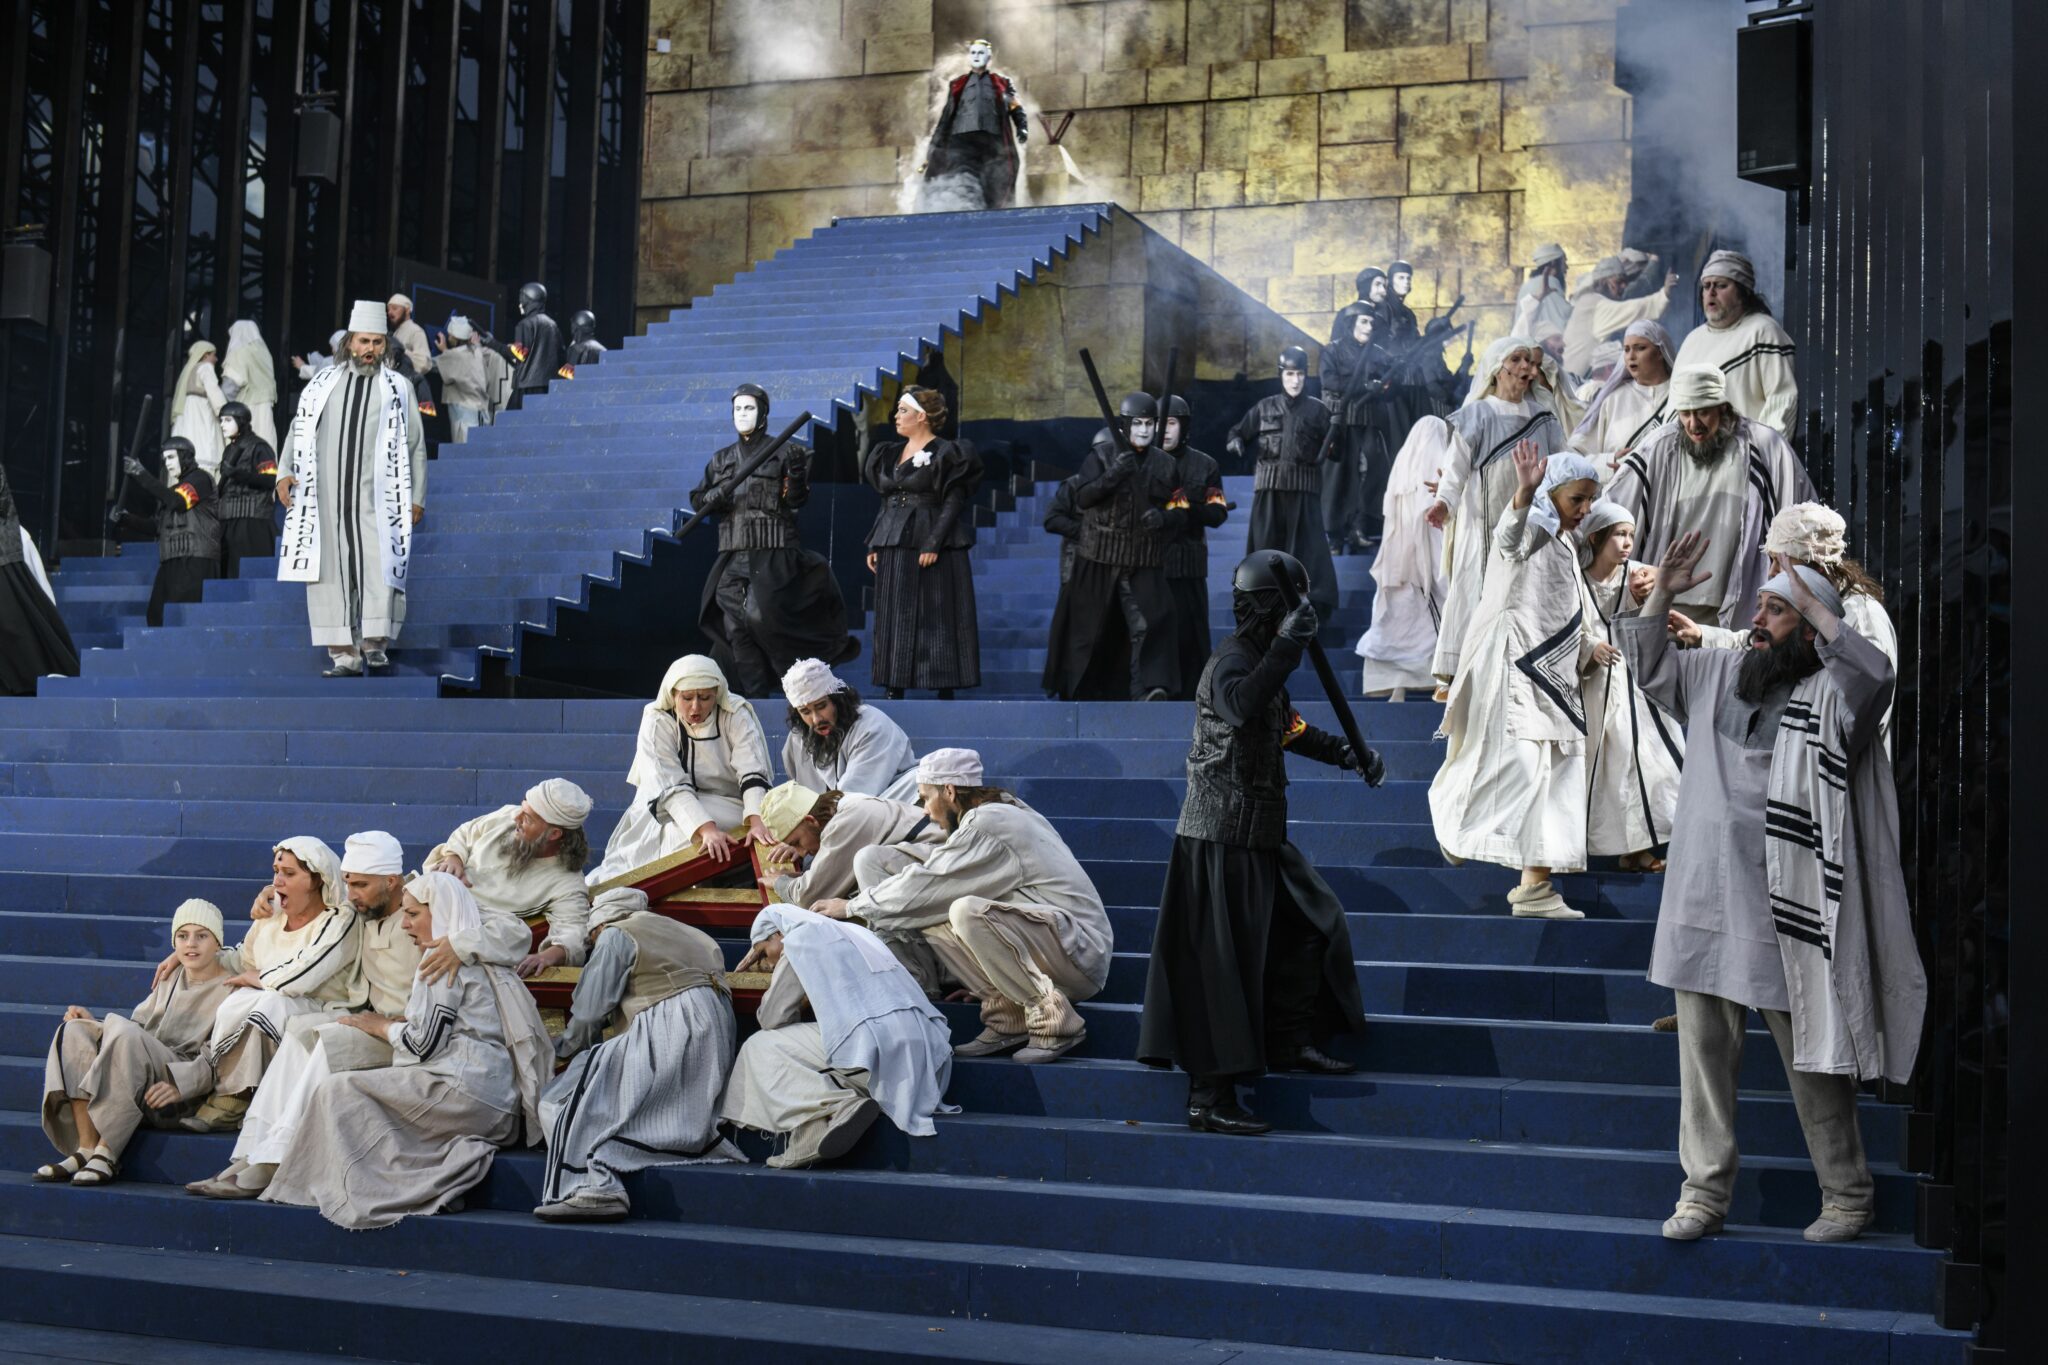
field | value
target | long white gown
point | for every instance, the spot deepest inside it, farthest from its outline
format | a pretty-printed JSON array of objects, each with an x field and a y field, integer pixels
[{"x": 1634, "y": 751}]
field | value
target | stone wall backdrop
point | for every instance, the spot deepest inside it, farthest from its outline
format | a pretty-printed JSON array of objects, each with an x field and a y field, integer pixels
[{"x": 1287, "y": 143}]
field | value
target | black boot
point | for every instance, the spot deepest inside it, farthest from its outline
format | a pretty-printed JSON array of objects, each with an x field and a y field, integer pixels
[
  {"x": 1307, "y": 1058},
  {"x": 945, "y": 694},
  {"x": 893, "y": 693},
  {"x": 1213, "y": 1108}
]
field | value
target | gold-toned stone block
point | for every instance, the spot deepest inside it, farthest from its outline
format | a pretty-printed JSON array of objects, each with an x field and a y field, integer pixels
[
  {"x": 1471, "y": 229},
  {"x": 1246, "y": 240},
  {"x": 717, "y": 70},
  {"x": 1442, "y": 120},
  {"x": 1453, "y": 174},
  {"x": 1226, "y": 136},
  {"x": 1566, "y": 59},
  {"x": 645, "y": 317},
  {"x": 1358, "y": 116},
  {"x": 814, "y": 170},
  {"x": 1282, "y": 132},
  {"x": 1183, "y": 138},
  {"x": 1077, "y": 38},
  {"x": 1365, "y": 170},
  {"x": 1433, "y": 65},
  {"x": 677, "y": 134},
  {"x": 1337, "y": 238},
  {"x": 776, "y": 220},
  {"x": 1148, "y": 142},
  {"x": 1176, "y": 84},
  {"x": 1219, "y": 189},
  {"x": 719, "y": 175},
  {"x": 1139, "y": 34},
  {"x": 1574, "y": 193},
  {"x": 1233, "y": 80},
  {"x": 872, "y": 18},
  {"x": 1308, "y": 28},
  {"x": 753, "y": 120},
  {"x": 1299, "y": 294},
  {"x": 1291, "y": 76},
  {"x": 689, "y": 246},
  {"x": 668, "y": 71},
  {"x": 1468, "y": 21},
  {"x": 1114, "y": 89},
  {"x": 1198, "y": 229},
  {"x": 1566, "y": 11},
  {"x": 1489, "y": 285},
  {"x": 1229, "y": 31},
  {"x": 1266, "y": 184},
  {"x": 1167, "y": 192},
  {"x": 1100, "y": 142},
  {"x": 1396, "y": 23},
  {"x": 898, "y": 52},
  {"x": 1583, "y": 120},
  {"x": 1057, "y": 93},
  {"x": 1500, "y": 170},
  {"x": 1500, "y": 61},
  {"x": 685, "y": 23},
  {"x": 869, "y": 111}
]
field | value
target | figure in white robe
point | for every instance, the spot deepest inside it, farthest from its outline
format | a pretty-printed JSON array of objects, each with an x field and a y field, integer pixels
[
  {"x": 352, "y": 475},
  {"x": 1512, "y": 788},
  {"x": 647, "y": 1096},
  {"x": 1742, "y": 341},
  {"x": 248, "y": 376},
  {"x": 1542, "y": 307},
  {"x": 877, "y": 1046},
  {"x": 1600, "y": 313},
  {"x": 700, "y": 769},
  {"x": 1516, "y": 400},
  {"x": 197, "y": 401},
  {"x": 837, "y": 742},
  {"x": 1409, "y": 587},
  {"x": 1633, "y": 402},
  {"x": 527, "y": 860},
  {"x": 470, "y": 1058},
  {"x": 1711, "y": 471}
]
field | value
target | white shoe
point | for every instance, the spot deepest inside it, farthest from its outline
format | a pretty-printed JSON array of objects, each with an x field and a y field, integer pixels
[
  {"x": 1836, "y": 1225},
  {"x": 1692, "y": 1222},
  {"x": 1540, "y": 901}
]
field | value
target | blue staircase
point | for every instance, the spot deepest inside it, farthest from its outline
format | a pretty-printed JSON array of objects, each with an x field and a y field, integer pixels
[{"x": 1488, "y": 1188}]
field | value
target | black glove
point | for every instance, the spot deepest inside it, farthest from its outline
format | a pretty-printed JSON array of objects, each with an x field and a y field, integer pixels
[
  {"x": 1124, "y": 464},
  {"x": 1300, "y": 624},
  {"x": 717, "y": 500},
  {"x": 1374, "y": 768},
  {"x": 1151, "y": 519},
  {"x": 134, "y": 467}
]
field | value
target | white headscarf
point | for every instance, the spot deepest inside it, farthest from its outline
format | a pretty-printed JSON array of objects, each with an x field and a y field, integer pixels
[
  {"x": 1497, "y": 354},
  {"x": 1811, "y": 532},
  {"x": 1599, "y": 517},
  {"x": 454, "y": 905},
  {"x": 692, "y": 671},
  {"x": 1650, "y": 330},
  {"x": 188, "y": 378},
  {"x": 318, "y": 857},
  {"x": 1562, "y": 468},
  {"x": 247, "y": 357}
]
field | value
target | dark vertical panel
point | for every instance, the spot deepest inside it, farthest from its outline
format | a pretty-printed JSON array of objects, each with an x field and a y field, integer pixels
[
  {"x": 238, "y": 40},
  {"x": 579, "y": 217},
  {"x": 177, "y": 203},
  {"x": 116, "y": 210},
  {"x": 490, "y": 110},
  {"x": 621, "y": 231},
  {"x": 341, "y": 78},
  {"x": 67, "y": 142},
  {"x": 387, "y": 181},
  {"x": 14, "y": 127},
  {"x": 437, "y": 146},
  {"x": 537, "y": 143},
  {"x": 283, "y": 82}
]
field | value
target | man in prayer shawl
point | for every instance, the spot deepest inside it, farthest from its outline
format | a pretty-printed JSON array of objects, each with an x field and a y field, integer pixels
[
  {"x": 878, "y": 1046},
  {"x": 1783, "y": 892},
  {"x": 700, "y": 769},
  {"x": 407, "y": 335},
  {"x": 104, "y": 1078},
  {"x": 527, "y": 860},
  {"x": 1284, "y": 433},
  {"x": 1599, "y": 312},
  {"x": 303, "y": 958},
  {"x": 1713, "y": 471},
  {"x": 248, "y": 377},
  {"x": 1516, "y": 400},
  {"x": 1633, "y": 402},
  {"x": 836, "y": 742},
  {"x": 1003, "y": 903},
  {"x": 1744, "y": 342},
  {"x": 317, "y": 1046},
  {"x": 1251, "y": 967},
  {"x": 470, "y": 1058},
  {"x": 767, "y": 601},
  {"x": 353, "y": 479},
  {"x": 1541, "y": 305},
  {"x": 465, "y": 386},
  {"x": 649, "y": 1096}
]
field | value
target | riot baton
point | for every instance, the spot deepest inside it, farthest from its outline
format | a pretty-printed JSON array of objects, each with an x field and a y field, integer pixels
[
  {"x": 728, "y": 492},
  {"x": 1345, "y": 720},
  {"x": 117, "y": 505},
  {"x": 1102, "y": 400}
]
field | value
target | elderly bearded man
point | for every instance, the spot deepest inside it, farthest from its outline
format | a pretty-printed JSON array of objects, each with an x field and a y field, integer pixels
[
  {"x": 528, "y": 860},
  {"x": 1713, "y": 471},
  {"x": 1783, "y": 892},
  {"x": 353, "y": 479},
  {"x": 1744, "y": 342}
]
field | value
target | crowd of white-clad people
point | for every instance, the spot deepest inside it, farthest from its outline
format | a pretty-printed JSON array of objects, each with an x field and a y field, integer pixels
[{"x": 371, "y": 1042}]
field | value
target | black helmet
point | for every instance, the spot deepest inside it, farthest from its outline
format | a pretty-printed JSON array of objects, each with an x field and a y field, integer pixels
[
  {"x": 532, "y": 298},
  {"x": 755, "y": 392},
  {"x": 582, "y": 325},
  {"x": 1177, "y": 406},
  {"x": 183, "y": 447},
  {"x": 238, "y": 410},
  {"x": 1294, "y": 358},
  {"x": 1138, "y": 405},
  {"x": 1400, "y": 268},
  {"x": 1267, "y": 570},
  {"x": 1366, "y": 277}
]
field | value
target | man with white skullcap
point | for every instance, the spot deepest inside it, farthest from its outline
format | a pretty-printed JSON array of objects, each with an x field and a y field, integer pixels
[
  {"x": 465, "y": 387},
  {"x": 1783, "y": 891},
  {"x": 1744, "y": 342},
  {"x": 352, "y": 475},
  {"x": 649, "y": 1096},
  {"x": 373, "y": 870},
  {"x": 406, "y": 334},
  {"x": 1599, "y": 311},
  {"x": 837, "y": 742},
  {"x": 1003, "y": 903},
  {"x": 1714, "y": 471},
  {"x": 527, "y": 860}
]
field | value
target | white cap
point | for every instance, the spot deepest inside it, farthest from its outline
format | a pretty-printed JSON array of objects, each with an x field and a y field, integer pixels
[
  {"x": 373, "y": 853},
  {"x": 560, "y": 802},
  {"x": 1811, "y": 532},
  {"x": 616, "y": 903},
  {"x": 459, "y": 328},
  {"x": 205, "y": 914},
  {"x": 334, "y": 342},
  {"x": 1816, "y": 583},
  {"x": 367, "y": 315},
  {"x": 810, "y": 680},
  {"x": 949, "y": 768},
  {"x": 1730, "y": 265},
  {"x": 1548, "y": 252},
  {"x": 785, "y": 807},
  {"x": 1696, "y": 387},
  {"x": 399, "y": 301}
]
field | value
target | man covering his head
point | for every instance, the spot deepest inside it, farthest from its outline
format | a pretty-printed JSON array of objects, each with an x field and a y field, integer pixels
[{"x": 527, "y": 860}]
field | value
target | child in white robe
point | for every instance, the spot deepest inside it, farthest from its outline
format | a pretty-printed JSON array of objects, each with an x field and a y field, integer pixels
[{"x": 1512, "y": 789}]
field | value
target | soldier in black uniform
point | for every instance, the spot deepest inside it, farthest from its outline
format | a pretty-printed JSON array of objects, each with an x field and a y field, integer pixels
[
  {"x": 248, "y": 493},
  {"x": 1198, "y": 494},
  {"x": 584, "y": 347},
  {"x": 1113, "y": 630},
  {"x": 1063, "y": 519},
  {"x": 187, "y": 526},
  {"x": 536, "y": 350},
  {"x": 767, "y": 601},
  {"x": 1284, "y": 434},
  {"x": 1251, "y": 960}
]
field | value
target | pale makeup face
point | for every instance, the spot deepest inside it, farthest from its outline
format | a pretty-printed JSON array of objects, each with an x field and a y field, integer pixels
[
  {"x": 1720, "y": 300},
  {"x": 1361, "y": 328},
  {"x": 174, "y": 464},
  {"x": 1292, "y": 382},
  {"x": 229, "y": 429},
  {"x": 911, "y": 419},
  {"x": 1573, "y": 500},
  {"x": 417, "y": 919},
  {"x": 1376, "y": 292},
  {"x": 694, "y": 705},
  {"x": 746, "y": 414},
  {"x": 821, "y": 715},
  {"x": 1403, "y": 282},
  {"x": 1703, "y": 424},
  {"x": 1517, "y": 373},
  {"x": 195, "y": 946},
  {"x": 1174, "y": 433},
  {"x": 1646, "y": 364},
  {"x": 979, "y": 55},
  {"x": 1142, "y": 431}
]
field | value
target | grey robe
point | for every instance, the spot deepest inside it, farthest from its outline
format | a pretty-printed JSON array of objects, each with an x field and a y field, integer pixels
[
  {"x": 110, "y": 1062},
  {"x": 874, "y": 759},
  {"x": 861, "y": 822}
]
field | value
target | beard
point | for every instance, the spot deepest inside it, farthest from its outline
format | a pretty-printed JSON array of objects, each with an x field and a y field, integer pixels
[
  {"x": 1709, "y": 452},
  {"x": 1784, "y": 663},
  {"x": 364, "y": 367},
  {"x": 522, "y": 852}
]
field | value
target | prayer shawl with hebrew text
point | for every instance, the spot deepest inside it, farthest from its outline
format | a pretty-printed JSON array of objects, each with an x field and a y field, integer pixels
[{"x": 299, "y": 556}]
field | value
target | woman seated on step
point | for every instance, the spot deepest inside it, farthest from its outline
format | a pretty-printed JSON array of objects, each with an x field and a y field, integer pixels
[
  {"x": 699, "y": 770},
  {"x": 469, "y": 1060},
  {"x": 107, "y": 1077}
]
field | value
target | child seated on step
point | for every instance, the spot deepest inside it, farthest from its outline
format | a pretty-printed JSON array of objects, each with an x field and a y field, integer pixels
[{"x": 107, "y": 1077}]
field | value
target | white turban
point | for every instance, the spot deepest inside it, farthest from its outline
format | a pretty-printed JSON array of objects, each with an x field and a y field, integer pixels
[
  {"x": 616, "y": 903},
  {"x": 810, "y": 680},
  {"x": 949, "y": 768},
  {"x": 1606, "y": 268},
  {"x": 1548, "y": 252},
  {"x": 459, "y": 328},
  {"x": 1816, "y": 582},
  {"x": 205, "y": 914},
  {"x": 1696, "y": 387},
  {"x": 1810, "y": 532},
  {"x": 373, "y": 853},
  {"x": 1730, "y": 265},
  {"x": 367, "y": 315},
  {"x": 454, "y": 905},
  {"x": 560, "y": 802},
  {"x": 399, "y": 301}
]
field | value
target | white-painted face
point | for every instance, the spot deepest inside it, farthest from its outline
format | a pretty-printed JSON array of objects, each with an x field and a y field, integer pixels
[
  {"x": 1176, "y": 432},
  {"x": 1403, "y": 282},
  {"x": 1292, "y": 382},
  {"x": 1361, "y": 327},
  {"x": 746, "y": 414},
  {"x": 1142, "y": 430},
  {"x": 229, "y": 429},
  {"x": 173, "y": 466},
  {"x": 979, "y": 55}
]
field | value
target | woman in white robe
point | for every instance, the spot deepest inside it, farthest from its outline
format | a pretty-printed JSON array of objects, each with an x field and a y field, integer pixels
[
  {"x": 1635, "y": 400},
  {"x": 1512, "y": 789},
  {"x": 470, "y": 1057},
  {"x": 699, "y": 772},
  {"x": 248, "y": 376},
  {"x": 196, "y": 403},
  {"x": 1634, "y": 752},
  {"x": 1407, "y": 573}
]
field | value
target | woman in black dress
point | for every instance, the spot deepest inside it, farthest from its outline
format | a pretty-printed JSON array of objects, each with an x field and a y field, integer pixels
[
  {"x": 925, "y": 633},
  {"x": 33, "y": 640}
]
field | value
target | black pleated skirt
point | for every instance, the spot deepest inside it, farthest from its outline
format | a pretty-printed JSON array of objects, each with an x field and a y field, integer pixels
[
  {"x": 1293, "y": 522},
  {"x": 926, "y": 635}
]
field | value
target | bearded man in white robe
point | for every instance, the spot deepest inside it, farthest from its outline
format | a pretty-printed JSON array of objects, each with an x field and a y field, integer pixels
[
  {"x": 1713, "y": 471},
  {"x": 353, "y": 478},
  {"x": 837, "y": 742},
  {"x": 1744, "y": 342}
]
